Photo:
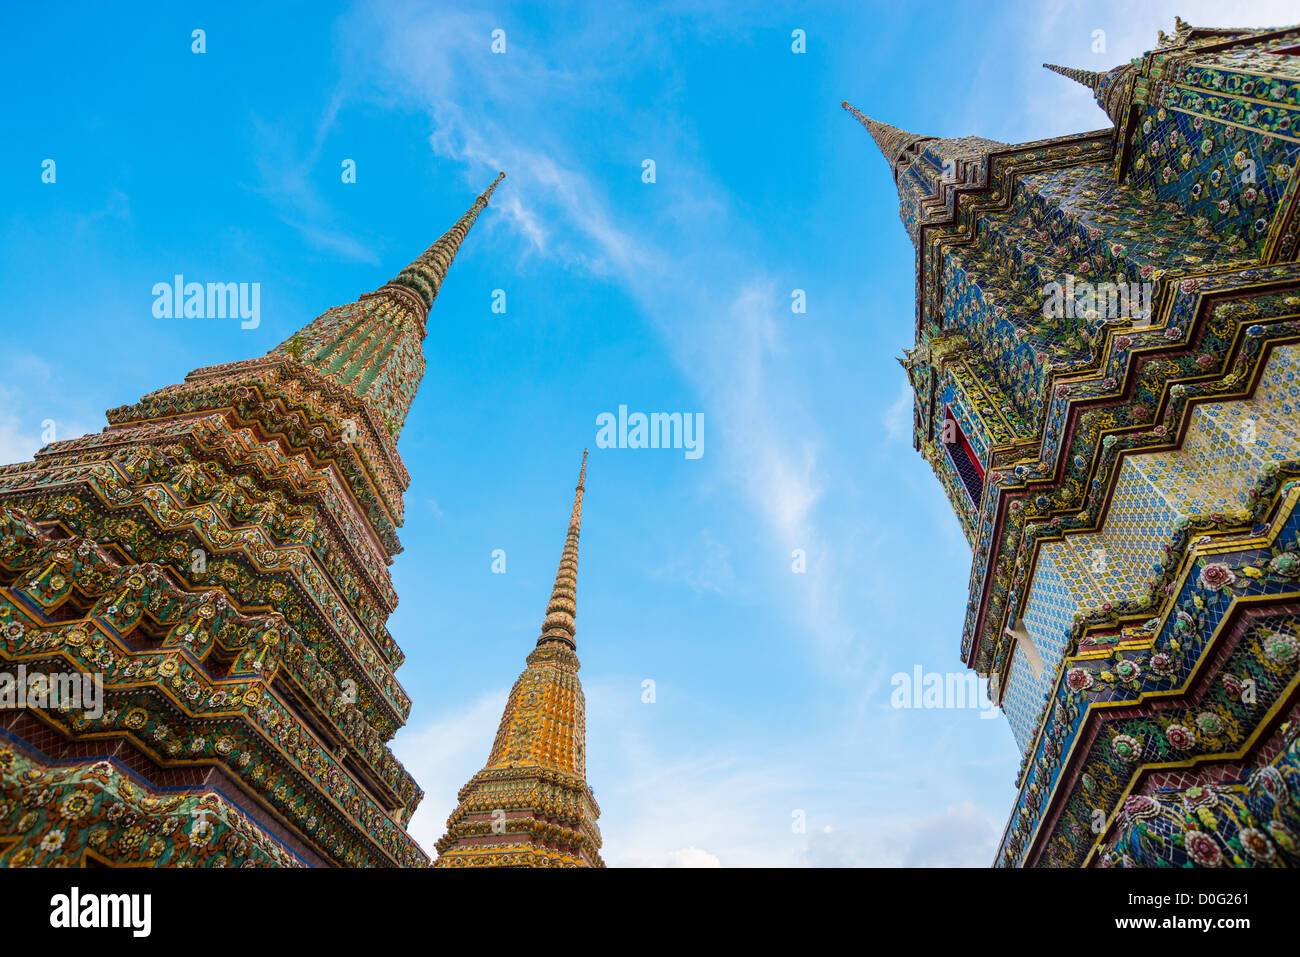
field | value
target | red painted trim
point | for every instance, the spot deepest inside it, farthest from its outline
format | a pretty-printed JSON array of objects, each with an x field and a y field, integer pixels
[{"x": 970, "y": 452}]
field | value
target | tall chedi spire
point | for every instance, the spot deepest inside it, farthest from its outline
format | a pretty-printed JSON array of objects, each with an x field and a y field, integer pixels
[
  {"x": 1088, "y": 78},
  {"x": 224, "y": 547},
  {"x": 530, "y": 806}
]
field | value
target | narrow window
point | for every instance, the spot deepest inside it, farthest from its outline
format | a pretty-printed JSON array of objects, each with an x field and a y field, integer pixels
[{"x": 963, "y": 457}]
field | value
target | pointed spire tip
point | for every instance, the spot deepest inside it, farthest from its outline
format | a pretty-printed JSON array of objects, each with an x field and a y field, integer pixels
[
  {"x": 560, "y": 611},
  {"x": 422, "y": 279},
  {"x": 487, "y": 193},
  {"x": 1089, "y": 78}
]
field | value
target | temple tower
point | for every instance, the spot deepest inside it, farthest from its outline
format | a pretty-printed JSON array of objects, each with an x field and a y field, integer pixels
[
  {"x": 217, "y": 559},
  {"x": 1105, "y": 377},
  {"x": 531, "y": 806}
]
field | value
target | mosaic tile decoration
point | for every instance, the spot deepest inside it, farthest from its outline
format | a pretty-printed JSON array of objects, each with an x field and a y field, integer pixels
[
  {"x": 1125, "y": 291},
  {"x": 1262, "y": 647},
  {"x": 220, "y": 558},
  {"x": 1214, "y": 466}
]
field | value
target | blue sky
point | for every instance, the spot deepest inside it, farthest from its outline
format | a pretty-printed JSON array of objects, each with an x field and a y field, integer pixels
[{"x": 772, "y": 689}]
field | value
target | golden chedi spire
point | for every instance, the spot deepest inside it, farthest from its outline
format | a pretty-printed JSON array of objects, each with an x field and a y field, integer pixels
[
  {"x": 530, "y": 806},
  {"x": 563, "y": 606}
]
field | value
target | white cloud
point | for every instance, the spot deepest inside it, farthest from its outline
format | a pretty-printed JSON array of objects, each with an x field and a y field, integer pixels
[
  {"x": 442, "y": 756},
  {"x": 32, "y": 405},
  {"x": 334, "y": 241},
  {"x": 898, "y": 417},
  {"x": 657, "y": 810},
  {"x": 288, "y": 179},
  {"x": 723, "y": 321},
  {"x": 692, "y": 857},
  {"x": 18, "y": 441},
  {"x": 960, "y": 836},
  {"x": 721, "y": 800},
  {"x": 116, "y": 206},
  {"x": 737, "y": 805}
]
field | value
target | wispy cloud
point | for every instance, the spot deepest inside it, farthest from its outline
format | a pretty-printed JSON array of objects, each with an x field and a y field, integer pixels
[
  {"x": 686, "y": 257},
  {"x": 33, "y": 408},
  {"x": 692, "y": 857},
  {"x": 287, "y": 177},
  {"x": 703, "y": 566},
  {"x": 116, "y": 206},
  {"x": 960, "y": 836},
  {"x": 898, "y": 417},
  {"x": 681, "y": 259},
  {"x": 706, "y": 808},
  {"x": 445, "y": 754}
]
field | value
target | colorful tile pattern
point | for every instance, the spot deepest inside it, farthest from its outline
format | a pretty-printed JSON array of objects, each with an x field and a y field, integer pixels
[
  {"x": 220, "y": 558},
  {"x": 1134, "y": 295},
  {"x": 1213, "y": 471}
]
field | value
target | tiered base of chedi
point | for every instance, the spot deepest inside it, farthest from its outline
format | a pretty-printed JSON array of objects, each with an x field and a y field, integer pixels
[
  {"x": 1107, "y": 379},
  {"x": 217, "y": 560}
]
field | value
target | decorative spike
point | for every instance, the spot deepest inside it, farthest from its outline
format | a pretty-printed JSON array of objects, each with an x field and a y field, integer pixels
[
  {"x": 1088, "y": 78},
  {"x": 1109, "y": 89},
  {"x": 1183, "y": 30},
  {"x": 424, "y": 276},
  {"x": 927, "y": 169},
  {"x": 890, "y": 139},
  {"x": 372, "y": 347},
  {"x": 563, "y": 606}
]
